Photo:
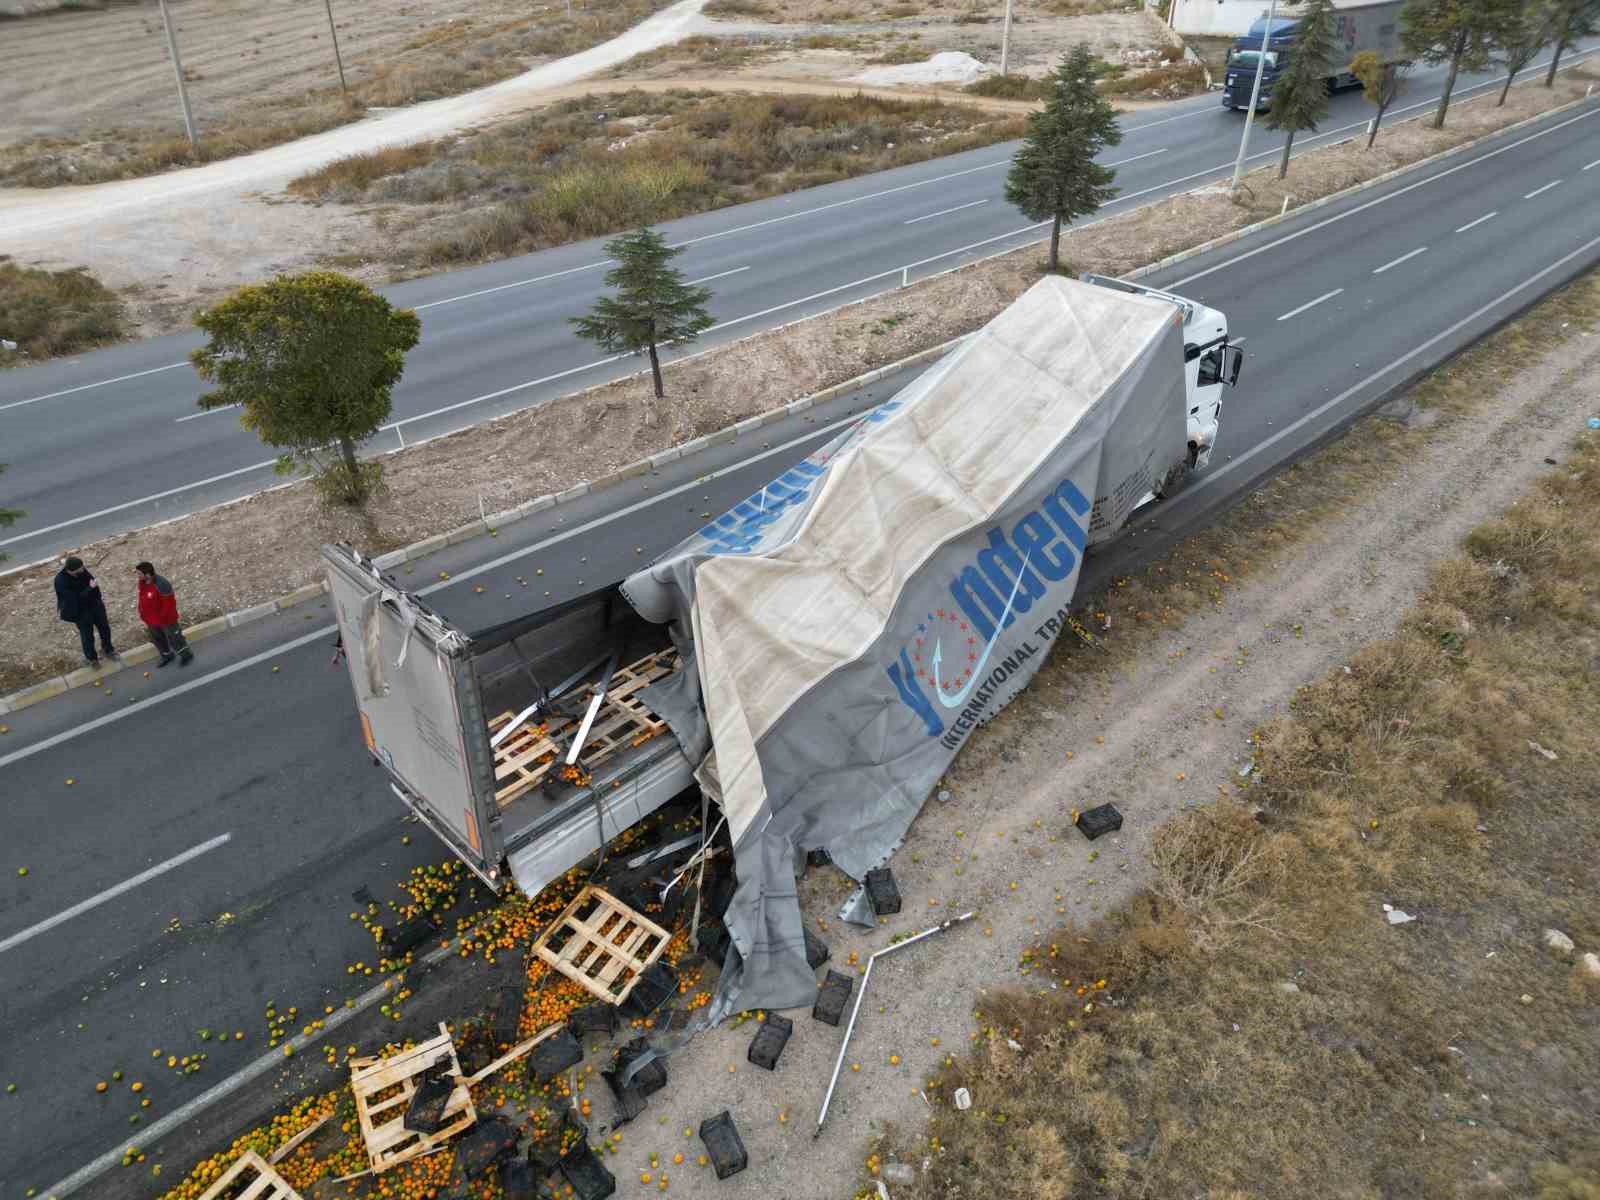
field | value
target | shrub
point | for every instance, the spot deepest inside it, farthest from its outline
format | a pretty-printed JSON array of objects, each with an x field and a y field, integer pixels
[{"x": 56, "y": 312}]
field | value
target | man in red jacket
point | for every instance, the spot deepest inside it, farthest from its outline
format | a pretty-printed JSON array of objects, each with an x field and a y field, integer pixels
[{"x": 158, "y": 609}]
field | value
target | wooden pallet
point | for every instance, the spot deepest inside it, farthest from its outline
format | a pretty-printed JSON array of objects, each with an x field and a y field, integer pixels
[
  {"x": 389, "y": 1142},
  {"x": 266, "y": 1184},
  {"x": 602, "y": 945},
  {"x": 523, "y": 760}
]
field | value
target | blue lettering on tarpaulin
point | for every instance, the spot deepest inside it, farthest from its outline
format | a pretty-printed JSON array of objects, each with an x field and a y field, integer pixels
[
  {"x": 740, "y": 530},
  {"x": 1002, "y": 581}
]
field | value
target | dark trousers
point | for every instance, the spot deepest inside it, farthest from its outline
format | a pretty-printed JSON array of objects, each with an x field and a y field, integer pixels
[
  {"x": 168, "y": 639},
  {"x": 86, "y": 630}
]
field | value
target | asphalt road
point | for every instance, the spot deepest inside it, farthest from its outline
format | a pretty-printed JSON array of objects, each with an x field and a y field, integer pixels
[
  {"x": 243, "y": 786},
  {"x": 112, "y": 440}
]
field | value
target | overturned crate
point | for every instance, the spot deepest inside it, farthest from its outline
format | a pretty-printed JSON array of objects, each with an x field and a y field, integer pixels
[
  {"x": 384, "y": 1089},
  {"x": 253, "y": 1178},
  {"x": 602, "y": 945}
]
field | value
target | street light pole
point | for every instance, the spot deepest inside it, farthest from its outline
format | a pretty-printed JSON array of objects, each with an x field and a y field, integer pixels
[
  {"x": 1255, "y": 94},
  {"x": 1005, "y": 38},
  {"x": 177, "y": 69},
  {"x": 336, "y": 56}
]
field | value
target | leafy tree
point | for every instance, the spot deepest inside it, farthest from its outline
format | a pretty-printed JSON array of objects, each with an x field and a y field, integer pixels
[
  {"x": 1526, "y": 32},
  {"x": 1463, "y": 33},
  {"x": 1381, "y": 83},
  {"x": 1054, "y": 175},
  {"x": 1570, "y": 22},
  {"x": 8, "y": 516},
  {"x": 312, "y": 360},
  {"x": 1300, "y": 97},
  {"x": 653, "y": 306}
]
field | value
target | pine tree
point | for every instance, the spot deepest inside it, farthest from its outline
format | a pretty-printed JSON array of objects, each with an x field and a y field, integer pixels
[
  {"x": 1463, "y": 33},
  {"x": 1054, "y": 176},
  {"x": 1300, "y": 97},
  {"x": 1381, "y": 83},
  {"x": 1527, "y": 30},
  {"x": 1570, "y": 22},
  {"x": 653, "y": 306},
  {"x": 312, "y": 360}
]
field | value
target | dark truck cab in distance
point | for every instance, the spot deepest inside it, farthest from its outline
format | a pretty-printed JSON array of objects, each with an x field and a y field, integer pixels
[{"x": 1357, "y": 27}]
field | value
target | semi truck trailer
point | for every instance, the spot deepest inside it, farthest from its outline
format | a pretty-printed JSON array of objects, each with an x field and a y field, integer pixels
[
  {"x": 812, "y": 658},
  {"x": 1357, "y": 27}
]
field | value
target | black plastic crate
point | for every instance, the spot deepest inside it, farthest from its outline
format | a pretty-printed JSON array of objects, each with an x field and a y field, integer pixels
[
  {"x": 723, "y": 1145},
  {"x": 630, "y": 1093},
  {"x": 1096, "y": 821},
  {"x": 770, "y": 1040},
  {"x": 517, "y": 1180},
  {"x": 832, "y": 998},
  {"x": 506, "y": 1014},
  {"x": 485, "y": 1144},
  {"x": 425, "y": 1113},
  {"x": 402, "y": 939},
  {"x": 713, "y": 940},
  {"x": 554, "y": 1055},
  {"x": 816, "y": 949},
  {"x": 586, "y": 1174},
  {"x": 656, "y": 986},
  {"x": 818, "y": 857},
  {"x": 882, "y": 893},
  {"x": 598, "y": 1017},
  {"x": 546, "y": 1151}
]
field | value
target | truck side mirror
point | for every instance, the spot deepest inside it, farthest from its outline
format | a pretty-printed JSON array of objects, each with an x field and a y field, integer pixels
[{"x": 1233, "y": 362}]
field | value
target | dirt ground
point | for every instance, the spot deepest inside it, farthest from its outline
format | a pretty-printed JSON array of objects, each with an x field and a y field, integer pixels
[{"x": 251, "y": 551}]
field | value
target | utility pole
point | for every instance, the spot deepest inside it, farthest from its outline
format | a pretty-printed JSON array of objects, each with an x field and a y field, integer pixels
[
  {"x": 1005, "y": 38},
  {"x": 336, "y": 56},
  {"x": 1255, "y": 94},
  {"x": 177, "y": 69}
]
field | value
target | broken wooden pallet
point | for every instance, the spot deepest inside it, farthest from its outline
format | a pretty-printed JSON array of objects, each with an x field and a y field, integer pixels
[
  {"x": 254, "y": 1179},
  {"x": 526, "y": 758},
  {"x": 383, "y": 1088},
  {"x": 602, "y": 945}
]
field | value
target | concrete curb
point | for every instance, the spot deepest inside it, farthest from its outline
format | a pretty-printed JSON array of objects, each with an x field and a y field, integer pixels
[{"x": 51, "y": 688}]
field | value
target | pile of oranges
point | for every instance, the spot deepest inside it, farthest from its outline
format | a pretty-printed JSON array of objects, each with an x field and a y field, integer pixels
[{"x": 263, "y": 1139}]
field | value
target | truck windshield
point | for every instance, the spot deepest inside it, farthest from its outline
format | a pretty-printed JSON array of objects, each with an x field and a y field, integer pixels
[{"x": 1247, "y": 58}]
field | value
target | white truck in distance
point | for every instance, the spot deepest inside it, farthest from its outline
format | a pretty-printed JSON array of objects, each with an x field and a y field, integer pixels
[{"x": 527, "y": 745}]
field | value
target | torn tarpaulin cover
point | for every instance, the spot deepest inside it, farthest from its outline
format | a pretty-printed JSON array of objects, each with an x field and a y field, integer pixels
[{"x": 856, "y": 619}]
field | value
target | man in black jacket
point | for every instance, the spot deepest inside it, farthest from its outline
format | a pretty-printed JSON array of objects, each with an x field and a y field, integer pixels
[{"x": 79, "y": 602}]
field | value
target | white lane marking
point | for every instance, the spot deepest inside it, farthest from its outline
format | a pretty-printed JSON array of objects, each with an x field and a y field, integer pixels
[
  {"x": 1124, "y": 161},
  {"x": 84, "y": 387},
  {"x": 944, "y": 212},
  {"x": 718, "y": 275},
  {"x": 505, "y": 287},
  {"x": 111, "y": 893},
  {"x": 204, "y": 413},
  {"x": 1479, "y": 221},
  {"x": 1397, "y": 261},
  {"x": 1295, "y": 312},
  {"x": 1199, "y": 112},
  {"x": 1210, "y": 478},
  {"x": 1541, "y": 191},
  {"x": 505, "y": 391},
  {"x": 1595, "y": 163},
  {"x": 267, "y": 655},
  {"x": 1383, "y": 199},
  {"x": 105, "y": 512}
]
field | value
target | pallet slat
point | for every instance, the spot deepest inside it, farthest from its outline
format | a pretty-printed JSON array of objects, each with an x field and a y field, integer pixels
[
  {"x": 601, "y": 951},
  {"x": 388, "y": 1142},
  {"x": 268, "y": 1184}
]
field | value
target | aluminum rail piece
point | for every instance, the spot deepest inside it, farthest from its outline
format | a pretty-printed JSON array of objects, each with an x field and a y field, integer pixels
[{"x": 860, "y": 994}]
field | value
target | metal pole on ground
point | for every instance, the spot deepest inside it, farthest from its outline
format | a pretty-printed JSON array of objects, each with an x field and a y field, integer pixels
[
  {"x": 1255, "y": 94},
  {"x": 1005, "y": 38},
  {"x": 177, "y": 70},
  {"x": 336, "y": 55}
]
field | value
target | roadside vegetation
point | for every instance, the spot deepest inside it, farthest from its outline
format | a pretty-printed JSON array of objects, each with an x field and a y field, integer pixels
[
  {"x": 1252, "y": 1023},
  {"x": 439, "y": 61},
  {"x": 602, "y": 164},
  {"x": 47, "y": 313}
]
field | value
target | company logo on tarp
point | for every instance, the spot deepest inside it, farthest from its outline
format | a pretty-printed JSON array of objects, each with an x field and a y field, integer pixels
[
  {"x": 949, "y": 656},
  {"x": 746, "y": 528}
]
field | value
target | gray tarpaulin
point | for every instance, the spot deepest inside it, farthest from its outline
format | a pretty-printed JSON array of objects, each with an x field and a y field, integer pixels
[{"x": 857, "y": 618}]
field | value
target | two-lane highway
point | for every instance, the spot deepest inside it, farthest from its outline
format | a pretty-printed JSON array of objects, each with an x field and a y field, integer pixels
[
  {"x": 1336, "y": 306},
  {"x": 112, "y": 440}
]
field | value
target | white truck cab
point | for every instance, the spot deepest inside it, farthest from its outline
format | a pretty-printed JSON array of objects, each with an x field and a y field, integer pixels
[{"x": 1210, "y": 363}]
